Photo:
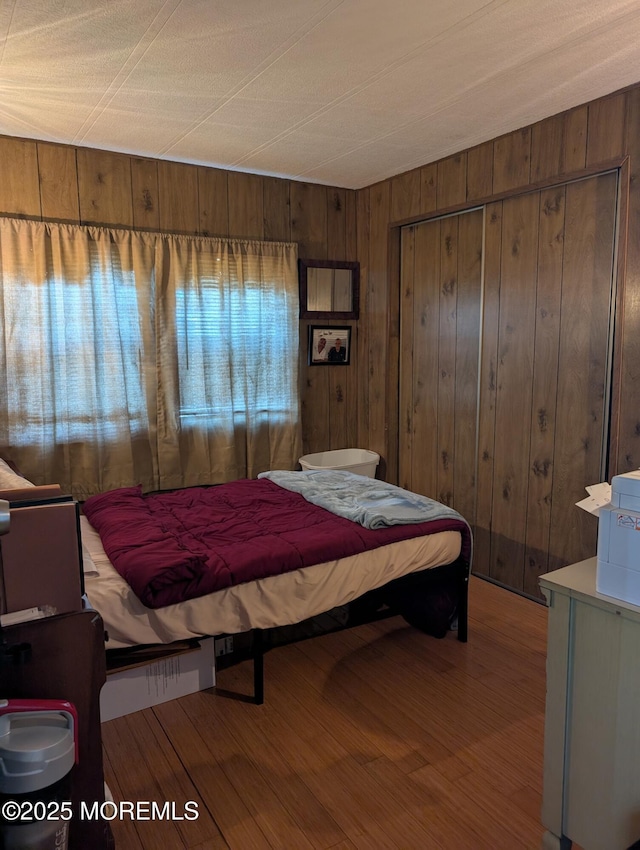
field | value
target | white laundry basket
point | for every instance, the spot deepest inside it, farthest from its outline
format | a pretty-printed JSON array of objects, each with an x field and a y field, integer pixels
[{"x": 359, "y": 461}]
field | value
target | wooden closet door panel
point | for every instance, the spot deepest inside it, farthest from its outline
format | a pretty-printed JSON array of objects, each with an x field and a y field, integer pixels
[
  {"x": 545, "y": 384},
  {"x": 583, "y": 364},
  {"x": 446, "y": 386},
  {"x": 468, "y": 324},
  {"x": 504, "y": 407},
  {"x": 424, "y": 384},
  {"x": 516, "y": 337},
  {"x": 405, "y": 377},
  {"x": 440, "y": 328},
  {"x": 419, "y": 323},
  {"x": 488, "y": 389}
]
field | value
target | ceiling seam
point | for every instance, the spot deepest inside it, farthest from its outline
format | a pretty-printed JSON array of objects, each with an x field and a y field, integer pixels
[
  {"x": 8, "y": 30},
  {"x": 282, "y": 50},
  {"x": 487, "y": 81},
  {"x": 133, "y": 60},
  {"x": 458, "y": 26}
]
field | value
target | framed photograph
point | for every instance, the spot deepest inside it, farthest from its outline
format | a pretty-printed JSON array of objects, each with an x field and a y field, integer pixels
[{"x": 329, "y": 346}]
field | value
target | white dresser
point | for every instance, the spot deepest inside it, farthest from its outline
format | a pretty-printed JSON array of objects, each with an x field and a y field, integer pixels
[{"x": 591, "y": 792}]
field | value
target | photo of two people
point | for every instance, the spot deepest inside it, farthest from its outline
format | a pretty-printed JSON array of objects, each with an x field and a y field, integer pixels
[{"x": 329, "y": 345}]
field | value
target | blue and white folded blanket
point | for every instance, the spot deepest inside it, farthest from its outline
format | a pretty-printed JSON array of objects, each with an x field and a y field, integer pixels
[{"x": 372, "y": 503}]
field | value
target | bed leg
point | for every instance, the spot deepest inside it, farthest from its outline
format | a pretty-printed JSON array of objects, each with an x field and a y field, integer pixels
[
  {"x": 463, "y": 608},
  {"x": 258, "y": 667}
]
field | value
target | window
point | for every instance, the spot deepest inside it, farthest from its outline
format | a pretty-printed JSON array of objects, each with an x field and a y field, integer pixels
[{"x": 146, "y": 358}]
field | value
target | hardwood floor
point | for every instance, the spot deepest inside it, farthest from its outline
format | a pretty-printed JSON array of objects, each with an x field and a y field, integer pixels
[{"x": 377, "y": 738}]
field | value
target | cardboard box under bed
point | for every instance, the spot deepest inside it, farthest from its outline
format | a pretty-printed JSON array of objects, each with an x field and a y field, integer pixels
[{"x": 154, "y": 675}]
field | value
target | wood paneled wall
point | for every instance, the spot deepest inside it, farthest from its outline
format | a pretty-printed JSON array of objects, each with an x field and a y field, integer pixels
[
  {"x": 85, "y": 186},
  {"x": 587, "y": 139},
  {"x": 358, "y": 404}
]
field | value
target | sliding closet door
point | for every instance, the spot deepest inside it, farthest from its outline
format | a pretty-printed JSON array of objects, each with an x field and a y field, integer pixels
[
  {"x": 439, "y": 335},
  {"x": 544, "y": 415},
  {"x": 523, "y": 350}
]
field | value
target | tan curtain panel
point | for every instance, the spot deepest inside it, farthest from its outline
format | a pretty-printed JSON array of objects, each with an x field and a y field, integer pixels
[
  {"x": 77, "y": 355},
  {"x": 139, "y": 358},
  {"x": 227, "y": 330}
]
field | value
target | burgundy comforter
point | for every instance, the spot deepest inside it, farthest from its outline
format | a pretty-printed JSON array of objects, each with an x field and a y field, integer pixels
[{"x": 174, "y": 546}]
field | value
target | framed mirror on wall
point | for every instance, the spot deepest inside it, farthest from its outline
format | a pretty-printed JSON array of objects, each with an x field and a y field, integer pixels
[{"x": 329, "y": 289}]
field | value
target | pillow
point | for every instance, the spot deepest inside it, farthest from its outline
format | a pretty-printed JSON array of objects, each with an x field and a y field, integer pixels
[{"x": 10, "y": 480}]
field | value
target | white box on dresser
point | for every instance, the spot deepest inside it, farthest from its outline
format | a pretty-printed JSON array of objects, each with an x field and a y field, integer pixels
[
  {"x": 591, "y": 783},
  {"x": 618, "y": 571}
]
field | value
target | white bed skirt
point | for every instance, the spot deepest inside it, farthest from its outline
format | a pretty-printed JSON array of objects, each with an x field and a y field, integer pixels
[{"x": 275, "y": 601}]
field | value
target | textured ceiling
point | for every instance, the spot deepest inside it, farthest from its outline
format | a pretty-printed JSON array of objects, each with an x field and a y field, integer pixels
[{"x": 341, "y": 92}]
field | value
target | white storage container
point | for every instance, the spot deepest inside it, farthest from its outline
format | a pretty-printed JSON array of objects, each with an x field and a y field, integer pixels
[{"x": 359, "y": 461}]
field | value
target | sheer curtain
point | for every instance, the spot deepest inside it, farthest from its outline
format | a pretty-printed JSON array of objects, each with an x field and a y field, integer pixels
[
  {"x": 141, "y": 358},
  {"x": 227, "y": 324},
  {"x": 76, "y": 308}
]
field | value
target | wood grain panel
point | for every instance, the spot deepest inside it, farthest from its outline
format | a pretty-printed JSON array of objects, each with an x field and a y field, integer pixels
[
  {"x": 574, "y": 155},
  {"x": 213, "y": 202},
  {"x": 393, "y": 355},
  {"x": 146, "y": 207},
  {"x": 408, "y": 284},
  {"x": 363, "y": 224},
  {"x": 352, "y": 377},
  {"x": 468, "y": 324},
  {"x": 428, "y": 188},
  {"x": 336, "y": 224},
  {"x": 480, "y": 172},
  {"x": 446, "y": 386},
  {"x": 309, "y": 220},
  {"x": 425, "y": 326},
  {"x": 441, "y": 297},
  {"x": 628, "y": 375},
  {"x": 488, "y": 389},
  {"x": 582, "y": 363},
  {"x": 559, "y": 145},
  {"x": 104, "y": 186},
  {"x": 339, "y": 402},
  {"x": 514, "y": 387},
  {"x": 58, "y": 182},
  {"x": 246, "y": 206},
  {"x": 546, "y": 148},
  {"x": 405, "y": 195},
  {"x": 512, "y": 161},
  {"x": 178, "y": 194},
  {"x": 377, "y": 310},
  {"x": 351, "y": 226},
  {"x": 19, "y": 185},
  {"x": 277, "y": 209},
  {"x": 350, "y": 394},
  {"x": 545, "y": 380},
  {"x": 607, "y": 129},
  {"x": 314, "y": 399},
  {"x": 452, "y": 181}
]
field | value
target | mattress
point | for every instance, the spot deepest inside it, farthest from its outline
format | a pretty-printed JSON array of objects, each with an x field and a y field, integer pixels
[{"x": 279, "y": 600}]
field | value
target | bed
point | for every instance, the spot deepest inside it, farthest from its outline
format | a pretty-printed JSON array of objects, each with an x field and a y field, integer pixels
[
  {"x": 406, "y": 555},
  {"x": 416, "y": 567}
]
